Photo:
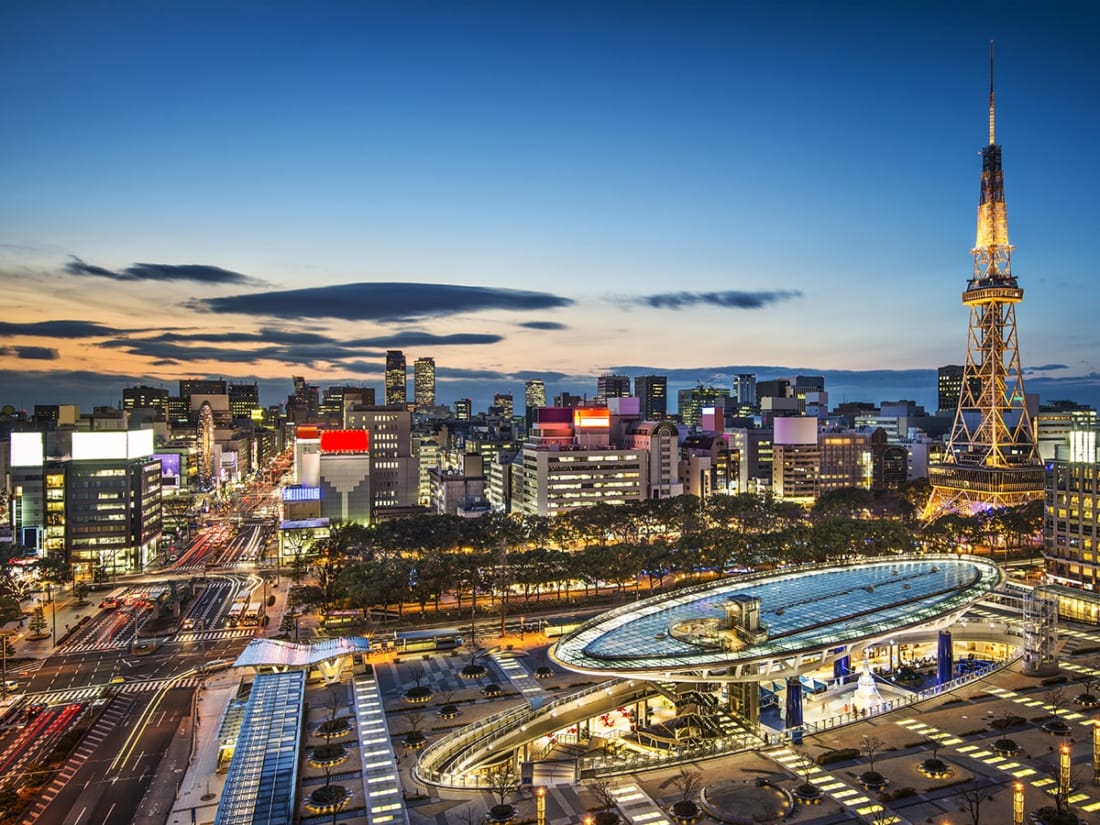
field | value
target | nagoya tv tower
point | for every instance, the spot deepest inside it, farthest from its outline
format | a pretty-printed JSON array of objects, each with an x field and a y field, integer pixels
[{"x": 990, "y": 459}]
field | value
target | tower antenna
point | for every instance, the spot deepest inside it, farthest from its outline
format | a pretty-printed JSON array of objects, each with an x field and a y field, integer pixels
[{"x": 991, "y": 135}]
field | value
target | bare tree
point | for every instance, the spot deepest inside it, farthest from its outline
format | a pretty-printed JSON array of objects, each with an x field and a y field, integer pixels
[
  {"x": 870, "y": 747},
  {"x": 417, "y": 673},
  {"x": 604, "y": 792},
  {"x": 688, "y": 781},
  {"x": 971, "y": 801},
  {"x": 502, "y": 780},
  {"x": 414, "y": 721},
  {"x": 1056, "y": 699}
]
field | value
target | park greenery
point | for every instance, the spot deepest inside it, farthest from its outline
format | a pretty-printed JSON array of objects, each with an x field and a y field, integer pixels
[{"x": 619, "y": 550}]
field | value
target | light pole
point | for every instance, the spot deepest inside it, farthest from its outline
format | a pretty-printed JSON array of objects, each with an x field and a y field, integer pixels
[{"x": 53, "y": 612}]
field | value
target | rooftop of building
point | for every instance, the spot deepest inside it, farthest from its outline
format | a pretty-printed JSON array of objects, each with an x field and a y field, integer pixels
[{"x": 802, "y": 611}]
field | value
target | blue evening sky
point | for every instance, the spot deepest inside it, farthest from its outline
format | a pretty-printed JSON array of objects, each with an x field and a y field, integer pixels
[{"x": 682, "y": 188}]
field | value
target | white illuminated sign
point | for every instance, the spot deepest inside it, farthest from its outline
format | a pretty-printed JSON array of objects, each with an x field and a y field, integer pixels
[
  {"x": 26, "y": 450},
  {"x": 112, "y": 446}
]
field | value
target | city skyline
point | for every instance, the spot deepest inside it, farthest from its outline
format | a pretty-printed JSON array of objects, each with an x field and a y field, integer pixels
[{"x": 544, "y": 192}]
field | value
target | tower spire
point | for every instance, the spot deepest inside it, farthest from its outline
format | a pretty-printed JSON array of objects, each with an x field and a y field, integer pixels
[{"x": 992, "y": 137}]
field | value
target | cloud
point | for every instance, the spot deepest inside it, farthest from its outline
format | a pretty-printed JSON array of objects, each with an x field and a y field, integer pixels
[
  {"x": 384, "y": 302},
  {"x": 732, "y": 299},
  {"x": 1046, "y": 367},
  {"x": 60, "y": 329},
  {"x": 547, "y": 325},
  {"x": 198, "y": 273},
  {"x": 31, "y": 353},
  {"x": 426, "y": 339}
]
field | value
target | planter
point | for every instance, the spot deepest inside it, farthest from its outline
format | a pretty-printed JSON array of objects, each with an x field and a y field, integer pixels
[
  {"x": 328, "y": 799},
  {"x": 328, "y": 756},
  {"x": 1056, "y": 727},
  {"x": 684, "y": 812},
  {"x": 543, "y": 672},
  {"x": 1087, "y": 700},
  {"x": 1050, "y": 816},
  {"x": 418, "y": 695},
  {"x": 472, "y": 671},
  {"x": 607, "y": 818},
  {"x": 334, "y": 728},
  {"x": 449, "y": 711},
  {"x": 935, "y": 769},
  {"x": 492, "y": 689},
  {"x": 873, "y": 780},
  {"x": 808, "y": 794},
  {"x": 500, "y": 814},
  {"x": 414, "y": 741},
  {"x": 1006, "y": 747}
]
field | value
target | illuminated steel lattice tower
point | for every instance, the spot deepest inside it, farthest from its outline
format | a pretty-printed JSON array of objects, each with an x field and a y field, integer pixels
[{"x": 991, "y": 459}]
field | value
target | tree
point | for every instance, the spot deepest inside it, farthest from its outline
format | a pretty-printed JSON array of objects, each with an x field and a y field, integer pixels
[
  {"x": 870, "y": 746},
  {"x": 606, "y": 803},
  {"x": 502, "y": 780},
  {"x": 971, "y": 801},
  {"x": 37, "y": 624},
  {"x": 688, "y": 781}
]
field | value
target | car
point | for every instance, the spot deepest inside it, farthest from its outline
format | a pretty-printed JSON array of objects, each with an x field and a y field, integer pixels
[
  {"x": 34, "y": 709},
  {"x": 11, "y": 686},
  {"x": 188, "y": 624},
  {"x": 118, "y": 680}
]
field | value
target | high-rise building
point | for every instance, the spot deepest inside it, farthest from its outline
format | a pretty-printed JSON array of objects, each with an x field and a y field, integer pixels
[
  {"x": 991, "y": 458},
  {"x": 693, "y": 401},
  {"x": 534, "y": 393},
  {"x": 744, "y": 389},
  {"x": 463, "y": 409},
  {"x": 1071, "y": 529},
  {"x": 202, "y": 386},
  {"x": 337, "y": 398},
  {"x": 424, "y": 383},
  {"x": 153, "y": 398},
  {"x": 243, "y": 399},
  {"x": 652, "y": 394},
  {"x": 503, "y": 405},
  {"x": 396, "y": 378},
  {"x": 949, "y": 381},
  {"x": 612, "y": 386}
]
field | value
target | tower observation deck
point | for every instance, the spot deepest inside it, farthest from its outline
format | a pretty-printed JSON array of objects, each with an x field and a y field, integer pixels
[{"x": 991, "y": 458}]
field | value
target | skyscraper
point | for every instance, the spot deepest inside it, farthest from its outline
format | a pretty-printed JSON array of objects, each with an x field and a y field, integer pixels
[
  {"x": 991, "y": 458},
  {"x": 534, "y": 398},
  {"x": 396, "y": 378},
  {"x": 652, "y": 394},
  {"x": 744, "y": 389},
  {"x": 424, "y": 383},
  {"x": 612, "y": 386}
]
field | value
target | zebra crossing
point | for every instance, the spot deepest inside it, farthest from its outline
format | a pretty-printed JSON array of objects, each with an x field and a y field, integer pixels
[
  {"x": 92, "y": 692},
  {"x": 834, "y": 787},
  {"x": 213, "y": 635},
  {"x": 992, "y": 759},
  {"x": 95, "y": 646}
]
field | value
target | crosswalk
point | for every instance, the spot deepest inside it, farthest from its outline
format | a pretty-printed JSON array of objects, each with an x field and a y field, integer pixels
[
  {"x": 187, "y": 636},
  {"x": 93, "y": 692},
  {"x": 990, "y": 758},
  {"x": 854, "y": 799},
  {"x": 636, "y": 806}
]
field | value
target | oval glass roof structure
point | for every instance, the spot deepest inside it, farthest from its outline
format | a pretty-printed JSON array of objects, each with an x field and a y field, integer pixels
[{"x": 801, "y": 611}]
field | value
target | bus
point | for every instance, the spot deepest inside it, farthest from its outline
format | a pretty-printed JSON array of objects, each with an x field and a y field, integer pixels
[
  {"x": 253, "y": 614},
  {"x": 410, "y": 641},
  {"x": 236, "y": 613},
  {"x": 342, "y": 618}
]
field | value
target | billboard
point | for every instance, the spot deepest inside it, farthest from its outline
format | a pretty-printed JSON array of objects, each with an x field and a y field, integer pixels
[
  {"x": 26, "y": 449},
  {"x": 345, "y": 441},
  {"x": 301, "y": 493},
  {"x": 591, "y": 418},
  {"x": 110, "y": 446},
  {"x": 169, "y": 463}
]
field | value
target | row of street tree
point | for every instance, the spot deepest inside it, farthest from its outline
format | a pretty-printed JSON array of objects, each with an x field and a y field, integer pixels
[{"x": 647, "y": 544}]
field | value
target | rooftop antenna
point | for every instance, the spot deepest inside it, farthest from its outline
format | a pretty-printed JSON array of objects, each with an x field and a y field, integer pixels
[{"x": 991, "y": 137}]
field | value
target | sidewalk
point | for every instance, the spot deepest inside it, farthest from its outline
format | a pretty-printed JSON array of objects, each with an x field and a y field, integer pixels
[{"x": 62, "y": 613}]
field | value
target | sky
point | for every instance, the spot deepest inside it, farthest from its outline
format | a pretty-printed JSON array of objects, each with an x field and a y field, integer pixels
[{"x": 257, "y": 190}]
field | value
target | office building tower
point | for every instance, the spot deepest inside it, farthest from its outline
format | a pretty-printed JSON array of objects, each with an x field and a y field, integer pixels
[
  {"x": 424, "y": 383},
  {"x": 991, "y": 457},
  {"x": 463, "y": 409},
  {"x": 652, "y": 394},
  {"x": 744, "y": 390},
  {"x": 151, "y": 398},
  {"x": 693, "y": 401},
  {"x": 534, "y": 393},
  {"x": 243, "y": 399},
  {"x": 396, "y": 378},
  {"x": 503, "y": 406},
  {"x": 612, "y": 386}
]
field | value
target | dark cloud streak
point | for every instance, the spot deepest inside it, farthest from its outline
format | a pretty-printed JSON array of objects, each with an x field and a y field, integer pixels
[
  {"x": 196, "y": 273},
  {"x": 732, "y": 299},
  {"x": 384, "y": 302}
]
